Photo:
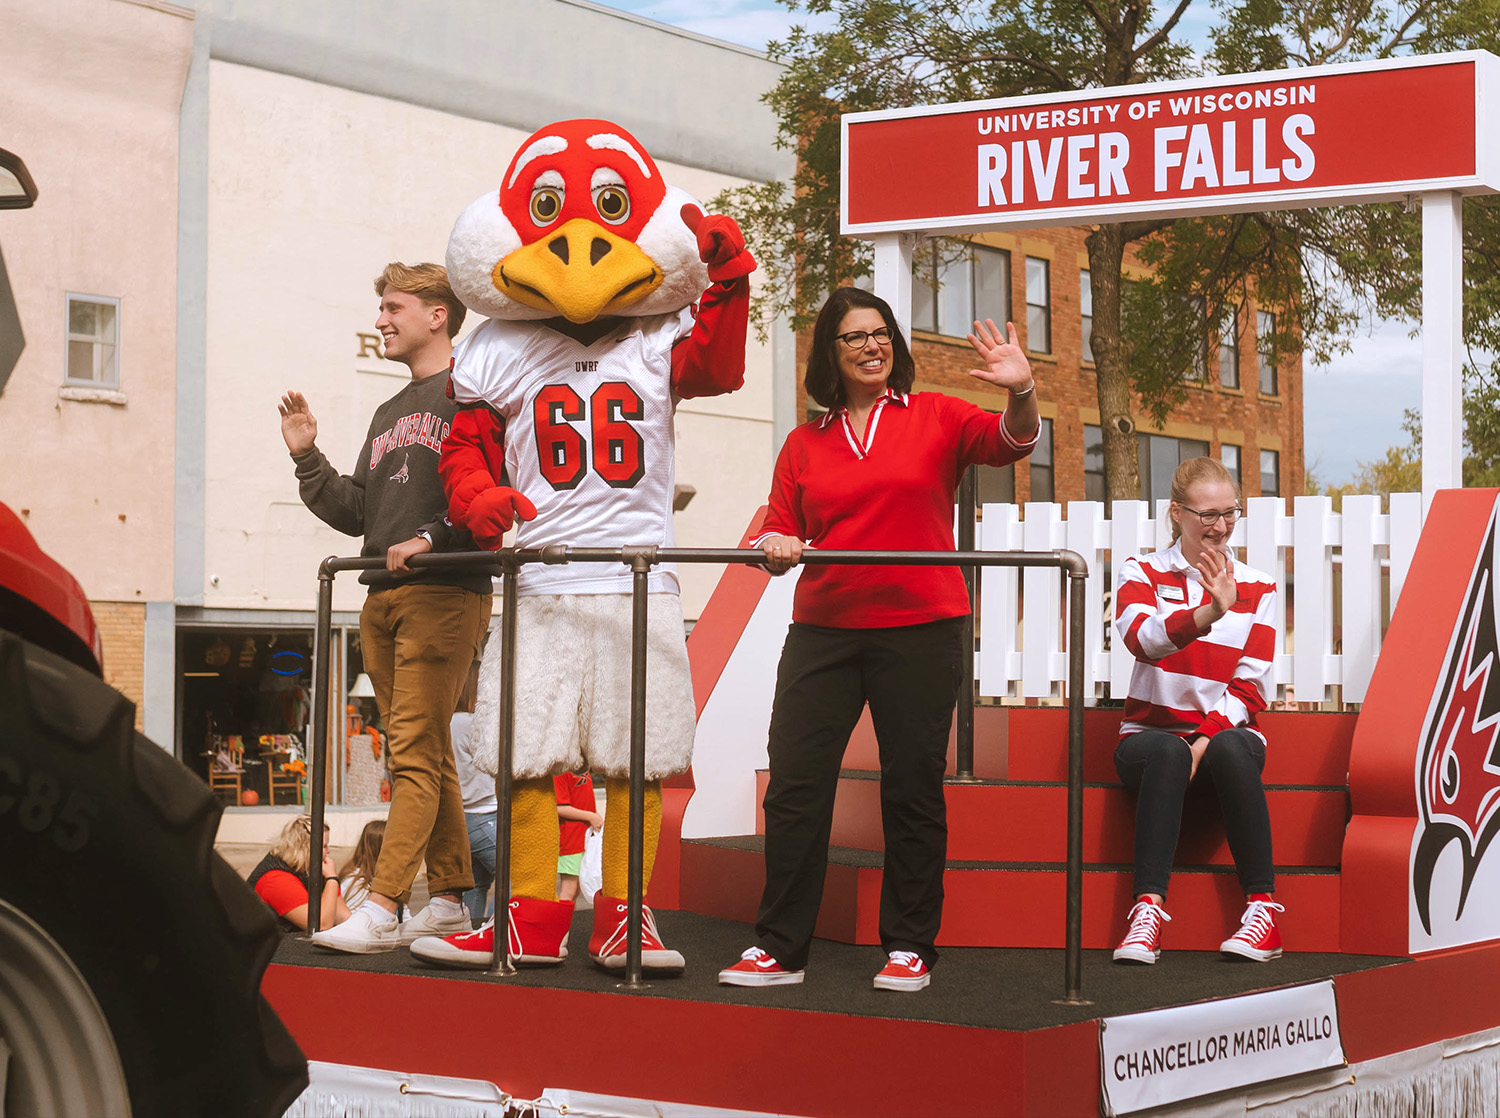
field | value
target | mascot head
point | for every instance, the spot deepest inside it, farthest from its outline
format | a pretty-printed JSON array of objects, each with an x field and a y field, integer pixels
[{"x": 581, "y": 227}]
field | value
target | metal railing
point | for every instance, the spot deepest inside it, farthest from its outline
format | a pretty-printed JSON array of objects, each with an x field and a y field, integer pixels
[{"x": 507, "y": 564}]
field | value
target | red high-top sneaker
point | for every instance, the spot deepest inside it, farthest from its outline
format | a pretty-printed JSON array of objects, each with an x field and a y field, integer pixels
[
  {"x": 538, "y": 938},
  {"x": 607, "y": 944},
  {"x": 1258, "y": 938}
]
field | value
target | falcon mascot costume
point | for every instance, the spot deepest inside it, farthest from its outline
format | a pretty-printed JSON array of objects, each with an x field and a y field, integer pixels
[{"x": 610, "y": 296}]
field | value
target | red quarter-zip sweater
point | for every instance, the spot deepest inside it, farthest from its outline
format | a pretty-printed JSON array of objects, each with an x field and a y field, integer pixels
[{"x": 892, "y": 490}]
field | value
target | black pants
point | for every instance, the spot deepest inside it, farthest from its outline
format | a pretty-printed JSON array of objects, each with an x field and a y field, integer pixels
[
  {"x": 1156, "y": 764},
  {"x": 909, "y": 676}
]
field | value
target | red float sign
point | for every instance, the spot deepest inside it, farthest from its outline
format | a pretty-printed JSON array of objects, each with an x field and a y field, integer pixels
[{"x": 1357, "y": 133}]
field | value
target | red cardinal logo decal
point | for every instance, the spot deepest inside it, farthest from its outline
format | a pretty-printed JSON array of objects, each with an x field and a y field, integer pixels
[{"x": 1458, "y": 771}]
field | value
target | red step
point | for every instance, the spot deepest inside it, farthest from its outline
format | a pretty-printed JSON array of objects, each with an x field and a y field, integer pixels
[
  {"x": 1007, "y": 821},
  {"x": 991, "y": 729},
  {"x": 1302, "y": 747},
  {"x": 1006, "y": 904}
]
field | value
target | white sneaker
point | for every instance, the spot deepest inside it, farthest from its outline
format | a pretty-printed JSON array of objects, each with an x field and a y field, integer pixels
[
  {"x": 363, "y": 933},
  {"x": 429, "y": 923}
]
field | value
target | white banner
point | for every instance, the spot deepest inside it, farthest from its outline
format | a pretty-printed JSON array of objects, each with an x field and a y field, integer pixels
[{"x": 1167, "y": 1055}]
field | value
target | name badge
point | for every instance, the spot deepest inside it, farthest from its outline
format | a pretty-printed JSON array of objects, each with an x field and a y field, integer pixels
[{"x": 1172, "y": 594}]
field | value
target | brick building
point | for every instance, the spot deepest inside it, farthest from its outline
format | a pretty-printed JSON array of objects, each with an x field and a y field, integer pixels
[{"x": 1247, "y": 412}]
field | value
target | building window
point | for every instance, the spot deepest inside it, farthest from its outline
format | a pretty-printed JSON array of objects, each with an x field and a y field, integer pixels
[
  {"x": 948, "y": 297},
  {"x": 1270, "y": 473},
  {"x": 1038, "y": 305},
  {"x": 997, "y": 484},
  {"x": 1160, "y": 455},
  {"x": 1095, "y": 487},
  {"x": 1229, "y": 355},
  {"x": 93, "y": 341},
  {"x": 1198, "y": 309},
  {"x": 1265, "y": 331},
  {"x": 1086, "y": 314},
  {"x": 1229, "y": 454},
  {"x": 1040, "y": 461}
]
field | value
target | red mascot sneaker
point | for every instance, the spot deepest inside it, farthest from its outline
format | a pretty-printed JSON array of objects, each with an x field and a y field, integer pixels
[
  {"x": 1258, "y": 938},
  {"x": 607, "y": 944},
  {"x": 538, "y": 938}
]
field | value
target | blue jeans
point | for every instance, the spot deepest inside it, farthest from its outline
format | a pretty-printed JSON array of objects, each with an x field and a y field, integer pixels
[{"x": 482, "y": 858}]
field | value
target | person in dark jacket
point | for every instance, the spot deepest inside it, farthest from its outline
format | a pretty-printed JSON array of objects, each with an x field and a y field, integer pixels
[
  {"x": 419, "y": 630},
  {"x": 280, "y": 878}
]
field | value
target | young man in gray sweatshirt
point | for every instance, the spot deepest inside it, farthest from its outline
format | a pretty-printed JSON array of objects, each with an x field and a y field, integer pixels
[{"x": 419, "y": 630}]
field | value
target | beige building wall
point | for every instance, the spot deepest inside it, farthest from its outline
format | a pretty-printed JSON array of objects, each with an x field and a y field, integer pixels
[
  {"x": 312, "y": 190},
  {"x": 89, "y": 97}
]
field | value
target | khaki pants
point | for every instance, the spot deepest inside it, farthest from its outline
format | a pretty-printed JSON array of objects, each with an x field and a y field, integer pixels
[{"x": 418, "y": 642}]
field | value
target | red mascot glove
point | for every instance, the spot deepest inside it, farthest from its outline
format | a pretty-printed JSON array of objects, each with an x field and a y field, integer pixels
[
  {"x": 721, "y": 245},
  {"x": 463, "y": 495},
  {"x": 492, "y": 513}
]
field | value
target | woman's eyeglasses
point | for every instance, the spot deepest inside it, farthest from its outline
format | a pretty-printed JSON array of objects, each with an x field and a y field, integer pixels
[
  {"x": 1208, "y": 516},
  {"x": 856, "y": 339}
]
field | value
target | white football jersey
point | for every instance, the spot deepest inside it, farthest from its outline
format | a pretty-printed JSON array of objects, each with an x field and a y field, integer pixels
[{"x": 588, "y": 438}]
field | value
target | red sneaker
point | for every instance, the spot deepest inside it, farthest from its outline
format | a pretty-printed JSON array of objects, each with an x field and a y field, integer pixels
[
  {"x": 538, "y": 937},
  {"x": 756, "y": 968},
  {"x": 1142, "y": 942},
  {"x": 904, "y": 971},
  {"x": 607, "y": 944},
  {"x": 1258, "y": 938}
]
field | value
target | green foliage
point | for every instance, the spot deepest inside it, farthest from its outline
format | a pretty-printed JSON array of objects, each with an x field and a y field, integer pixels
[{"x": 1323, "y": 271}]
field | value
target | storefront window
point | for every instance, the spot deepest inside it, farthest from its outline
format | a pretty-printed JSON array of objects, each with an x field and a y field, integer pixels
[
  {"x": 363, "y": 777},
  {"x": 246, "y": 702},
  {"x": 245, "y": 697}
]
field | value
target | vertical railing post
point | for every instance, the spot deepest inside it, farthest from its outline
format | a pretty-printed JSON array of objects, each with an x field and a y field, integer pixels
[
  {"x": 1073, "y": 934},
  {"x": 317, "y": 748},
  {"x": 968, "y": 490},
  {"x": 500, "y": 961},
  {"x": 640, "y": 569}
]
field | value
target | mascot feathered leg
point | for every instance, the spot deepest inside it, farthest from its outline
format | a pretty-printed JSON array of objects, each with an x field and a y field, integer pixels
[{"x": 610, "y": 297}]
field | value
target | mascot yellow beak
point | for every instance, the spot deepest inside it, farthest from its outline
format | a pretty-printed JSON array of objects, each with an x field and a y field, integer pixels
[{"x": 581, "y": 271}]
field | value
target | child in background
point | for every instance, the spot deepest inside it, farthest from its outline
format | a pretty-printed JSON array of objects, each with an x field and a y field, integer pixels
[
  {"x": 478, "y": 791},
  {"x": 576, "y": 817},
  {"x": 355, "y": 877}
]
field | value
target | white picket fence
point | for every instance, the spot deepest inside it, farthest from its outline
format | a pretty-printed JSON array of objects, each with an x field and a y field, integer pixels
[{"x": 1370, "y": 550}]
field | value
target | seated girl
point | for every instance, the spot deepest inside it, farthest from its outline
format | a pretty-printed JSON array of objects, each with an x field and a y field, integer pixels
[
  {"x": 1202, "y": 629},
  {"x": 280, "y": 879}
]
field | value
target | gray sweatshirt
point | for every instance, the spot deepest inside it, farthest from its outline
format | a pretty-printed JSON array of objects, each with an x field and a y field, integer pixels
[{"x": 395, "y": 491}]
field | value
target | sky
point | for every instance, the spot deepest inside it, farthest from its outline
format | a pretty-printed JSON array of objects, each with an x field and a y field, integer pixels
[{"x": 1352, "y": 406}]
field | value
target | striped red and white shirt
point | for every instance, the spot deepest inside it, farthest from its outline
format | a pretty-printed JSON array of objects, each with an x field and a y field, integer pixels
[{"x": 1187, "y": 681}]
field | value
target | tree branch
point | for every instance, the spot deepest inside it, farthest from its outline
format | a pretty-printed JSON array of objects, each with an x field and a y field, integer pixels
[
  {"x": 1139, "y": 230},
  {"x": 1161, "y": 32},
  {"x": 1418, "y": 11},
  {"x": 1064, "y": 84}
]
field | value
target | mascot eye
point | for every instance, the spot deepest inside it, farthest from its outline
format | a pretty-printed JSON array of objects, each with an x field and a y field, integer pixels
[
  {"x": 612, "y": 203},
  {"x": 546, "y": 204}
]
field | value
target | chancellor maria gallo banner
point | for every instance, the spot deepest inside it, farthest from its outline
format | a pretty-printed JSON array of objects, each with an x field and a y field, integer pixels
[
  {"x": 1356, "y": 133},
  {"x": 1168, "y": 1055}
]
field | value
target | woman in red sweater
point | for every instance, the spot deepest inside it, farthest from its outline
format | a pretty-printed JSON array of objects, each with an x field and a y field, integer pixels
[{"x": 878, "y": 471}]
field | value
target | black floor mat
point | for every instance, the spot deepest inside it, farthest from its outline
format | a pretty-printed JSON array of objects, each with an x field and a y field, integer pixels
[{"x": 982, "y": 987}]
